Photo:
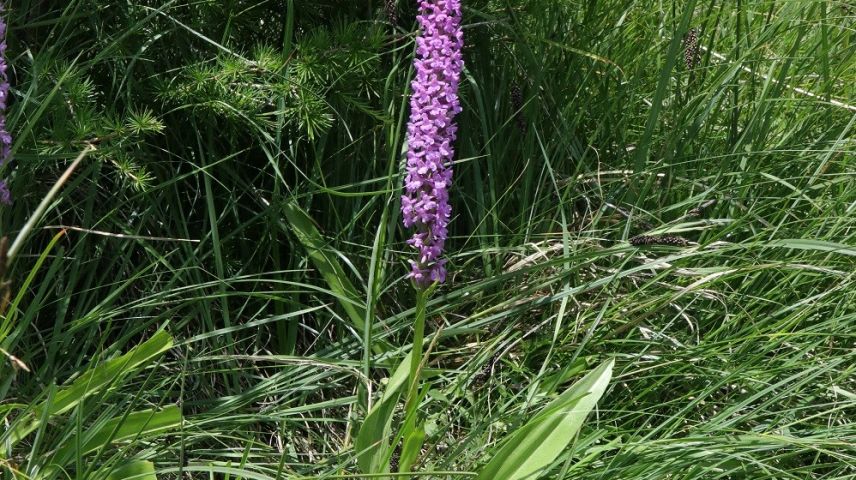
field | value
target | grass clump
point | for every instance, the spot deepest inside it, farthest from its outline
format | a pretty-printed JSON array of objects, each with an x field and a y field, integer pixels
[{"x": 221, "y": 282}]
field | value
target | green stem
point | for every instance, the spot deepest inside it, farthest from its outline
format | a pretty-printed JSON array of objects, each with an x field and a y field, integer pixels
[
  {"x": 418, "y": 341},
  {"x": 410, "y": 420}
]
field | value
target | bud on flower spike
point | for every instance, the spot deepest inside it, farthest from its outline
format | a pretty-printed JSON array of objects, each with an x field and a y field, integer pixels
[{"x": 431, "y": 135}]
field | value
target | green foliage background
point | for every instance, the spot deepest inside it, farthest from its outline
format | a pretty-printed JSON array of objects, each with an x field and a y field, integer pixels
[{"x": 243, "y": 197}]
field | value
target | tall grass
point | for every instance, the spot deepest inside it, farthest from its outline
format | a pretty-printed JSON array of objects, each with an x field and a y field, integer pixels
[{"x": 242, "y": 196}]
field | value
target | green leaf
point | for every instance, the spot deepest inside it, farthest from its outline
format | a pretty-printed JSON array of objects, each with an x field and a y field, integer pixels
[
  {"x": 812, "y": 245},
  {"x": 412, "y": 447},
  {"x": 97, "y": 378},
  {"x": 538, "y": 443},
  {"x": 372, "y": 442},
  {"x": 8, "y": 321},
  {"x": 140, "y": 470},
  {"x": 554, "y": 381},
  {"x": 145, "y": 423},
  {"x": 325, "y": 261}
]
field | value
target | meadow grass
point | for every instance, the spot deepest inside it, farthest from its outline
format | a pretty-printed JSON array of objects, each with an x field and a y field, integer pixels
[{"x": 242, "y": 197}]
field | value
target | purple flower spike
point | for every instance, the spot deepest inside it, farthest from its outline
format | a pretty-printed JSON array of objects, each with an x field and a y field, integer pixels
[
  {"x": 431, "y": 135},
  {"x": 5, "y": 138}
]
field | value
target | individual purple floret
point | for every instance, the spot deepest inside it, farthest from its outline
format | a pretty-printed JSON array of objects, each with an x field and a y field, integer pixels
[
  {"x": 5, "y": 138},
  {"x": 431, "y": 135}
]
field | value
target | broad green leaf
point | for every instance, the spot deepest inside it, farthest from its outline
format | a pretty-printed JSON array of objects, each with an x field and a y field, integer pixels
[
  {"x": 97, "y": 378},
  {"x": 538, "y": 443},
  {"x": 372, "y": 442},
  {"x": 140, "y": 470},
  {"x": 135, "y": 425},
  {"x": 412, "y": 447},
  {"x": 325, "y": 261},
  {"x": 553, "y": 382}
]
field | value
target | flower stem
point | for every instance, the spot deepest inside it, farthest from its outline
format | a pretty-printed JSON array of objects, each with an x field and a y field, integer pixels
[
  {"x": 418, "y": 341},
  {"x": 410, "y": 435}
]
